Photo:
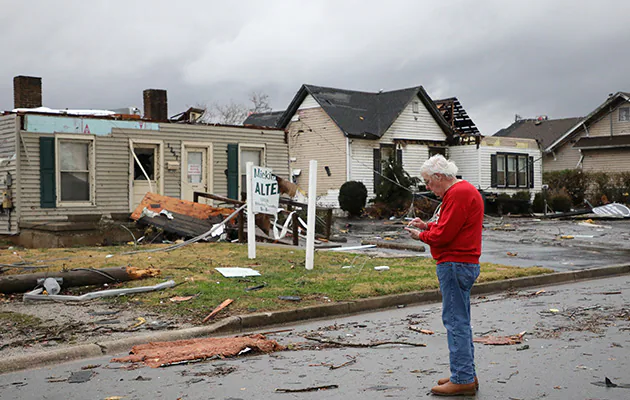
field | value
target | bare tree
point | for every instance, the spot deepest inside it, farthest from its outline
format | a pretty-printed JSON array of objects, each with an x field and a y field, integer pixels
[{"x": 235, "y": 113}]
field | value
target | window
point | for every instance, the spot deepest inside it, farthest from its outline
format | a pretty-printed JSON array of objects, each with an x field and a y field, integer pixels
[
  {"x": 511, "y": 170},
  {"x": 75, "y": 170},
  {"x": 624, "y": 114},
  {"x": 415, "y": 107},
  {"x": 146, "y": 156}
]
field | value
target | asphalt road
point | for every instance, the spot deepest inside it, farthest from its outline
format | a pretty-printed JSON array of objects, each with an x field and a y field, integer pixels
[{"x": 577, "y": 334}]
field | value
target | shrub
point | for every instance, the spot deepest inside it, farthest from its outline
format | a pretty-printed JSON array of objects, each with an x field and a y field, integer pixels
[
  {"x": 573, "y": 181},
  {"x": 538, "y": 205},
  {"x": 560, "y": 201},
  {"x": 395, "y": 183},
  {"x": 352, "y": 197}
]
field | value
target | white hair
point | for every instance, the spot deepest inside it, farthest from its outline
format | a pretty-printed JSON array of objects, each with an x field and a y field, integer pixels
[{"x": 439, "y": 165}]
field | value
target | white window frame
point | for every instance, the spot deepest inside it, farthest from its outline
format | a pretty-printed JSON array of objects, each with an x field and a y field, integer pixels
[
  {"x": 415, "y": 107},
  {"x": 519, "y": 167},
  {"x": 249, "y": 146},
  {"x": 91, "y": 140},
  {"x": 626, "y": 117},
  {"x": 160, "y": 165}
]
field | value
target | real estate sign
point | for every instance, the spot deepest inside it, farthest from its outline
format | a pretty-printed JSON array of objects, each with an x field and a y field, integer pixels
[{"x": 266, "y": 196}]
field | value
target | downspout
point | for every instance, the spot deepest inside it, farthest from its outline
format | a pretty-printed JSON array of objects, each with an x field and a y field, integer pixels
[
  {"x": 479, "y": 167},
  {"x": 348, "y": 160},
  {"x": 580, "y": 160},
  {"x": 611, "y": 121}
]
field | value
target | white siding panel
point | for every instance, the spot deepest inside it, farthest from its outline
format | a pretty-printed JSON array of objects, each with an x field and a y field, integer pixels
[
  {"x": 418, "y": 126},
  {"x": 362, "y": 162},
  {"x": 308, "y": 102},
  {"x": 474, "y": 165},
  {"x": 413, "y": 157}
]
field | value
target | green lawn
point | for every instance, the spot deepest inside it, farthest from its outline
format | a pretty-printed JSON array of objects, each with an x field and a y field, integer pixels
[{"x": 282, "y": 271}]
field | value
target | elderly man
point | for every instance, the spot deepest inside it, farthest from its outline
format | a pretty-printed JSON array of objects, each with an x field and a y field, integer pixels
[{"x": 455, "y": 241}]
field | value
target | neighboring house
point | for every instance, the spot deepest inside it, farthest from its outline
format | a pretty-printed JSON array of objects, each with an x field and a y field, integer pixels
[
  {"x": 600, "y": 142},
  {"x": 545, "y": 132},
  {"x": 350, "y": 133},
  {"x": 58, "y": 163}
]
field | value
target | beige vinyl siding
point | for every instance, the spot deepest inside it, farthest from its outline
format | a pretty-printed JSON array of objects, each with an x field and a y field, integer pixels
[
  {"x": 410, "y": 125},
  {"x": 565, "y": 156},
  {"x": 608, "y": 160},
  {"x": 8, "y": 165},
  {"x": 113, "y": 161},
  {"x": 316, "y": 137},
  {"x": 601, "y": 127}
]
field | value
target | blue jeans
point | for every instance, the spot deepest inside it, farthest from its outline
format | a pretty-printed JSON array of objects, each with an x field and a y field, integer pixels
[{"x": 456, "y": 280}]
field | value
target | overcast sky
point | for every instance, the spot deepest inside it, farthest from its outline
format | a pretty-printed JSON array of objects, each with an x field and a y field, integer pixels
[{"x": 500, "y": 58}]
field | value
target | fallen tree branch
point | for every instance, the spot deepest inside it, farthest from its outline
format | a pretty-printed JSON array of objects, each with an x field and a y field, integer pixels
[
  {"x": 308, "y": 389},
  {"x": 372, "y": 344}
]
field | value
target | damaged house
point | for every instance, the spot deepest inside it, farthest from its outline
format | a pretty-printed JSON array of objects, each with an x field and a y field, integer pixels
[
  {"x": 62, "y": 169},
  {"x": 351, "y": 132}
]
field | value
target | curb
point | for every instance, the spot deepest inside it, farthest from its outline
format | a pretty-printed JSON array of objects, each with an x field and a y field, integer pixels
[{"x": 238, "y": 324}]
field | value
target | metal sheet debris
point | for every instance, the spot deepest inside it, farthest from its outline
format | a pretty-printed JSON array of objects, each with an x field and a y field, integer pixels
[
  {"x": 37, "y": 293},
  {"x": 237, "y": 272}
]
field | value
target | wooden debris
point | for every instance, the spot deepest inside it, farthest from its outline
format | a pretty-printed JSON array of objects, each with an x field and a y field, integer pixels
[
  {"x": 424, "y": 331},
  {"x": 162, "y": 354},
  {"x": 500, "y": 340},
  {"x": 156, "y": 203},
  {"x": 76, "y": 277},
  {"x": 371, "y": 344},
  {"x": 217, "y": 310},
  {"x": 308, "y": 389}
]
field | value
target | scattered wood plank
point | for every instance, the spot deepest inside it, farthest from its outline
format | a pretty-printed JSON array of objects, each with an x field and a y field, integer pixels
[
  {"x": 217, "y": 310},
  {"x": 308, "y": 389},
  {"x": 424, "y": 331},
  {"x": 394, "y": 245},
  {"x": 371, "y": 344}
]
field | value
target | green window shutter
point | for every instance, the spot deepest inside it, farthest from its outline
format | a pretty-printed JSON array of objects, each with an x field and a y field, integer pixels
[
  {"x": 47, "y": 187},
  {"x": 232, "y": 171},
  {"x": 531, "y": 172},
  {"x": 377, "y": 168},
  {"x": 493, "y": 170}
]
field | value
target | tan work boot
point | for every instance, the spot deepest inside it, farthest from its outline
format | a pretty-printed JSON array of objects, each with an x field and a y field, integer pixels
[
  {"x": 444, "y": 380},
  {"x": 453, "y": 389}
]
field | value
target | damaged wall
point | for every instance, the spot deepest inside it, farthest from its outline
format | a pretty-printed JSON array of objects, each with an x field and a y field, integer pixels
[
  {"x": 113, "y": 159},
  {"x": 8, "y": 172}
]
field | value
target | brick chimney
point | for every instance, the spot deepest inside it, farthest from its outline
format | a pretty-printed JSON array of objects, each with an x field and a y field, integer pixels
[
  {"x": 155, "y": 105},
  {"x": 27, "y": 92}
]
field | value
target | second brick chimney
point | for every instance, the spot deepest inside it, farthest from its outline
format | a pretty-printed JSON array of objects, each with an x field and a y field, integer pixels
[
  {"x": 155, "y": 105},
  {"x": 27, "y": 92}
]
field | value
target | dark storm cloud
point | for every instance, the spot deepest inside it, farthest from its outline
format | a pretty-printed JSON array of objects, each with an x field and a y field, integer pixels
[{"x": 559, "y": 58}]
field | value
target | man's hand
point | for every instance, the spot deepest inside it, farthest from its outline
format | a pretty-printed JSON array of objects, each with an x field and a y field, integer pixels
[
  {"x": 414, "y": 233},
  {"x": 418, "y": 223}
]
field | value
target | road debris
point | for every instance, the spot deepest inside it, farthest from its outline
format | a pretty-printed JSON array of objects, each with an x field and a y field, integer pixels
[
  {"x": 371, "y": 344},
  {"x": 254, "y": 288},
  {"x": 162, "y": 354},
  {"x": 217, "y": 310},
  {"x": 81, "y": 376},
  {"x": 424, "y": 331},
  {"x": 500, "y": 340},
  {"x": 141, "y": 321},
  {"x": 381, "y": 268},
  {"x": 610, "y": 384},
  {"x": 308, "y": 389}
]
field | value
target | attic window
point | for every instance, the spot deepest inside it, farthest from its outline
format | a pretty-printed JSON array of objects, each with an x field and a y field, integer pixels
[
  {"x": 415, "y": 107},
  {"x": 624, "y": 114}
]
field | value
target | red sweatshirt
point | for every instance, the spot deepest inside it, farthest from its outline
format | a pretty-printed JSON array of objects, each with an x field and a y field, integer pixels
[{"x": 456, "y": 235}]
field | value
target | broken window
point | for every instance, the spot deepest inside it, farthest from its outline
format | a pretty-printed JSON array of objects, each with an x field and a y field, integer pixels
[
  {"x": 146, "y": 156},
  {"x": 624, "y": 114},
  {"x": 75, "y": 169}
]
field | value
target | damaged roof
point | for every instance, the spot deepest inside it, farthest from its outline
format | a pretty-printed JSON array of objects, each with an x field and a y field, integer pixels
[
  {"x": 455, "y": 114},
  {"x": 544, "y": 132},
  {"x": 363, "y": 115},
  {"x": 269, "y": 119}
]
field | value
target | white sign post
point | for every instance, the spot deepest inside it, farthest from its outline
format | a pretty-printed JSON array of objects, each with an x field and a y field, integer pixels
[
  {"x": 251, "y": 224},
  {"x": 263, "y": 197},
  {"x": 310, "y": 222}
]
